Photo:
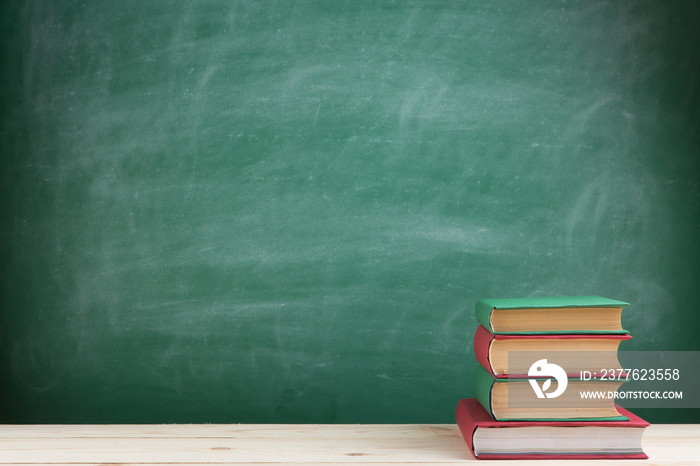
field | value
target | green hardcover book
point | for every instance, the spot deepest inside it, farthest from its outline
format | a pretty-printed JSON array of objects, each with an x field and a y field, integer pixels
[
  {"x": 517, "y": 400},
  {"x": 558, "y": 315}
]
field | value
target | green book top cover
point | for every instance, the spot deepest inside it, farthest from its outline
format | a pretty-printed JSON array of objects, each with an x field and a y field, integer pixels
[{"x": 484, "y": 308}]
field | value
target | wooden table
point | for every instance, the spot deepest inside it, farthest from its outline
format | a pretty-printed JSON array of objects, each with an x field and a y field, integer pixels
[{"x": 285, "y": 444}]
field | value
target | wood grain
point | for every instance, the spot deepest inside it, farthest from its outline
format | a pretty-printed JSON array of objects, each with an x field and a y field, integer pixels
[{"x": 283, "y": 444}]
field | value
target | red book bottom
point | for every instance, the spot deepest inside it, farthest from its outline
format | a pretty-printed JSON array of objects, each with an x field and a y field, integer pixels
[{"x": 470, "y": 416}]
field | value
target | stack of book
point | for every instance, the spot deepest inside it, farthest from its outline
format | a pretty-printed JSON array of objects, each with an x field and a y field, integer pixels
[{"x": 545, "y": 384}]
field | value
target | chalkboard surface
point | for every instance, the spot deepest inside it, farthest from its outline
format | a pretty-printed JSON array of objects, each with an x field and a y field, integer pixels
[{"x": 285, "y": 211}]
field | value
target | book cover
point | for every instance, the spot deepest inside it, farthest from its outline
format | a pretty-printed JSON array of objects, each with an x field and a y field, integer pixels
[
  {"x": 484, "y": 308},
  {"x": 470, "y": 416},
  {"x": 483, "y": 340},
  {"x": 523, "y": 399}
]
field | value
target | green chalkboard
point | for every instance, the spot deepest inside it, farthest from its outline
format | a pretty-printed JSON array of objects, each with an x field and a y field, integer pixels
[{"x": 285, "y": 211}]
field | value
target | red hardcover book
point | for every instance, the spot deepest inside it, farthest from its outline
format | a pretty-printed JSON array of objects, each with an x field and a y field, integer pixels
[
  {"x": 498, "y": 440},
  {"x": 506, "y": 356}
]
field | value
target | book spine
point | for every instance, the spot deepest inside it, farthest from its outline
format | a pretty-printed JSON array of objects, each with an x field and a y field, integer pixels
[
  {"x": 483, "y": 381},
  {"x": 466, "y": 423},
  {"x": 482, "y": 343},
  {"x": 483, "y": 313}
]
